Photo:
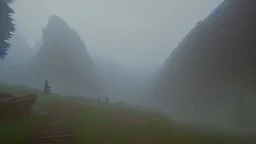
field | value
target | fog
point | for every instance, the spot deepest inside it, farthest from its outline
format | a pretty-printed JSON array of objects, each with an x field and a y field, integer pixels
[
  {"x": 128, "y": 40},
  {"x": 132, "y": 32},
  {"x": 116, "y": 48}
]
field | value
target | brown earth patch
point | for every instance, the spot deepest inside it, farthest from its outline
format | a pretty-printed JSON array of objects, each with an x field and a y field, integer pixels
[
  {"x": 55, "y": 128},
  {"x": 13, "y": 107}
]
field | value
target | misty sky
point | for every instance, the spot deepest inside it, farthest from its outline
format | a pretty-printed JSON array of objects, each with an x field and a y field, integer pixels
[{"x": 133, "y": 32}]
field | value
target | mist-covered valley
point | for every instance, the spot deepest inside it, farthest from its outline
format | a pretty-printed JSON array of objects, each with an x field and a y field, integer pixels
[
  {"x": 61, "y": 57},
  {"x": 206, "y": 78}
]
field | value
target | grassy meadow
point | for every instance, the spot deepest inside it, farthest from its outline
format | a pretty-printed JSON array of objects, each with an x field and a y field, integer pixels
[{"x": 110, "y": 123}]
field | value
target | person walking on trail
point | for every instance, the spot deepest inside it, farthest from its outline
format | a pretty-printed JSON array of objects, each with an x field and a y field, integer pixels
[{"x": 107, "y": 99}]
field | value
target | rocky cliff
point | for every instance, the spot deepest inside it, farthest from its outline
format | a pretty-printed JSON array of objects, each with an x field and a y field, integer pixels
[{"x": 210, "y": 77}]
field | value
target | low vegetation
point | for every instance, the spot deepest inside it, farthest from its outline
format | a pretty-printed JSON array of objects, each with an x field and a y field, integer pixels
[
  {"x": 115, "y": 124},
  {"x": 18, "y": 131},
  {"x": 108, "y": 123}
]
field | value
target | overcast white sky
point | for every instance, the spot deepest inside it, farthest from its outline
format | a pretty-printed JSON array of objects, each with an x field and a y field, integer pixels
[{"x": 133, "y": 32}]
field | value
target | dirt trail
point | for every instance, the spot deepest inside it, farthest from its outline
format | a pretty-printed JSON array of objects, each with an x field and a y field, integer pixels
[{"x": 55, "y": 128}]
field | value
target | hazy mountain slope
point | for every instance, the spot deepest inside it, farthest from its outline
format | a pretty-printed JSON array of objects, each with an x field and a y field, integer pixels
[
  {"x": 131, "y": 84},
  {"x": 64, "y": 61},
  {"x": 20, "y": 51},
  {"x": 209, "y": 77}
]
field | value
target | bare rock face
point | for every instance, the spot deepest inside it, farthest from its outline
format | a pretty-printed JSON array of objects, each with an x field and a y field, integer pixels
[
  {"x": 12, "y": 107},
  {"x": 210, "y": 77},
  {"x": 4, "y": 96}
]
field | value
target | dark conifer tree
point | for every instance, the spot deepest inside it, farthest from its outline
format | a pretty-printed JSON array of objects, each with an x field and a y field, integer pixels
[
  {"x": 6, "y": 26},
  {"x": 47, "y": 88}
]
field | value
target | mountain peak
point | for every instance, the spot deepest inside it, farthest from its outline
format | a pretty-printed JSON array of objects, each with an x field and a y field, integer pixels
[
  {"x": 63, "y": 58},
  {"x": 55, "y": 18},
  {"x": 56, "y": 22}
]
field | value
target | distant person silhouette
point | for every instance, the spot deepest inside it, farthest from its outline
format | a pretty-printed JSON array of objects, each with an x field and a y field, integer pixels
[{"x": 107, "y": 99}]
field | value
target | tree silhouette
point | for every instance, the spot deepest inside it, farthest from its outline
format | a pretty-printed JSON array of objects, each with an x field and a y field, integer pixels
[
  {"x": 47, "y": 88},
  {"x": 98, "y": 98},
  {"x": 6, "y": 26}
]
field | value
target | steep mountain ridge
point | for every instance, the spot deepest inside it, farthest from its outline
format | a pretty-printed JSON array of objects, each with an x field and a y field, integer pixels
[
  {"x": 63, "y": 59},
  {"x": 209, "y": 77}
]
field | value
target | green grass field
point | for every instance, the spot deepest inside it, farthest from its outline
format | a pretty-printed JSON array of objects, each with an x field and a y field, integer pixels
[
  {"x": 111, "y": 126},
  {"x": 117, "y": 123},
  {"x": 18, "y": 131},
  {"x": 120, "y": 125}
]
